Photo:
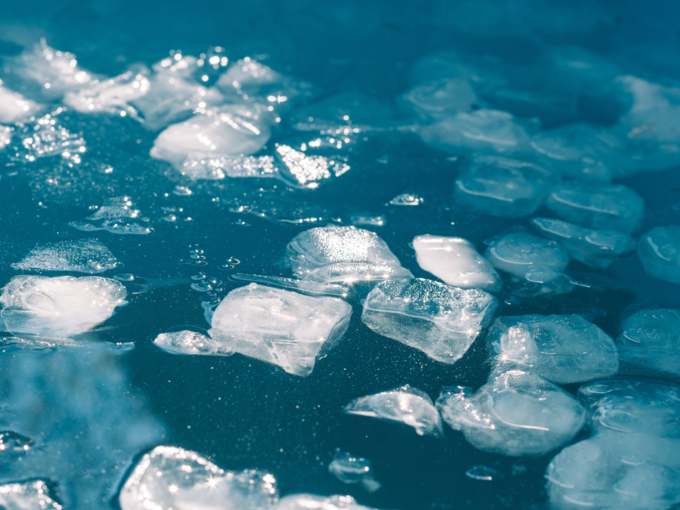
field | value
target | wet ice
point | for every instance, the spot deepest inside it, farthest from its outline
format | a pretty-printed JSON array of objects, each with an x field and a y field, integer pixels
[
  {"x": 650, "y": 339},
  {"x": 82, "y": 256},
  {"x": 519, "y": 252},
  {"x": 111, "y": 95},
  {"x": 659, "y": 251},
  {"x": 351, "y": 469},
  {"x": 190, "y": 342},
  {"x": 33, "y": 494},
  {"x": 312, "y": 502}
]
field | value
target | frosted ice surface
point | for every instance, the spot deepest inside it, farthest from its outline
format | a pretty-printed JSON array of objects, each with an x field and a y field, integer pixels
[
  {"x": 659, "y": 251},
  {"x": 560, "y": 348},
  {"x": 189, "y": 342},
  {"x": 406, "y": 405},
  {"x": 594, "y": 248},
  {"x": 307, "y": 170},
  {"x": 515, "y": 413},
  {"x": 351, "y": 469},
  {"x": 456, "y": 262},
  {"x": 651, "y": 338},
  {"x": 312, "y": 502},
  {"x": 83, "y": 256},
  {"x": 111, "y": 95},
  {"x": 598, "y": 206},
  {"x": 170, "y": 478},
  {"x": 503, "y": 187},
  {"x": 342, "y": 254},
  {"x": 14, "y": 107},
  {"x": 438, "y": 319},
  {"x": 31, "y": 495},
  {"x": 279, "y": 326},
  {"x": 441, "y": 98},
  {"x": 62, "y": 306},
  {"x": 520, "y": 252}
]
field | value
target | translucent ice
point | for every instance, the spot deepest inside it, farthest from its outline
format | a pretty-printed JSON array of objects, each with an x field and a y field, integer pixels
[
  {"x": 110, "y": 95},
  {"x": 302, "y": 286},
  {"x": 189, "y": 342},
  {"x": 515, "y": 413},
  {"x": 406, "y": 405},
  {"x": 117, "y": 216},
  {"x": 503, "y": 187},
  {"x": 342, "y": 254},
  {"x": 560, "y": 348},
  {"x": 659, "y": 251},
  {"x": 46, "y": 136},
  {"x": 654, "y": 113},
  {"x": 351, "y": 469},
  {"x": 14, "y": 107},
  {"x": 83, "y": 256},
  {"x": 279, "y": 326},
  {"x": 651, "y": 339},
  {"x": 456, "y": 262},
  {"x": 170, "y": 478},
  {"x": 440, "y": 320},
  {"x": 519, "y": 252},
  {"x": 62, "y": 306},
  {"x": 312, "y": 502},
  {"x": 598, "y": 206},
  {"x": 441, "y": 98},
  {"x": 594, "y": 248},
  {"x": 31, "y": 495}
]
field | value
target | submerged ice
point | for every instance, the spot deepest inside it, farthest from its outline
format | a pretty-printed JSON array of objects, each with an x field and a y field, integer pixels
[
  {"x": 190, "y": 342},
  {"x": 82, "y": 256},
  {"x": 650, "y": 339},
  {"x": 520, "y": 253},
  {"x": 351, "y": 469},
  {"x": 659, "y": 251}
]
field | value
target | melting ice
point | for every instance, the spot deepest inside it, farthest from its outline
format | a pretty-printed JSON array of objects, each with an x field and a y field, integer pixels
[
  {"x": 351, "y": 469},
  {"x": 82, "y": 256},
  {"x": 650, "y": 339}
]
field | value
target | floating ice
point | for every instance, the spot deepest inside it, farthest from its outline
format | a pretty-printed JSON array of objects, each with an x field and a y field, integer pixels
[
  {"x": 14, "y": 107},
  {"x": 170, "y": 478},
  {"x": 441, "y": 98},
  {"x": 520, "y": 252},
  {"x": 308, "y": 170},
  {"x": 594, "y": 248},
  {"x": 515, "y": 413},
  {"x": 659, "y": 251},
  {"x": 456, "y": 262},
  {"x": 116, "y": 216},
  {"x": 406, "y": 405},
  {"x": 45, "y": 136},
  {"x": 598, "y": 206},
  {"x": 189, "y": 342},
  {"x": 342, "y": 254},
  {"x": 440, "y": 320},
  {"x": 312, "y": 502},
  {"x": 111, "y": 95},
  {"x": 83, "y": 256},
  {"x": 62, "y": 306},
  {"x": 560, "y": 348},
  {"x": 278, "y": 326},
  {"x": 31, "y": 495},
  {"x": 302, "y": 286},
  {"x": 350, "y": 469},
  {"x": 651, "y": 339},
  {"x": 407, "y": 199}
]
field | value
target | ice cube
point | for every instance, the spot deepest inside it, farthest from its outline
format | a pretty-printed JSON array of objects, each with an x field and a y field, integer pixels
[
  {"x": 111, "y": 95},
  {"x": 594, "y": 248},
  {"x": 659, "y": 251},
  {"x": 519, "y": 252},
  {"x": 312, "y": 502},
  {"x": 438, "y": 319},
  {"x": 651, "y": 338},
  {"x": 456, "y": 262},
  {"x": 279, "y": 326},
  {"x": 190, "y": 342},
  {"x": 14, "y": 107},
  {"x": 560, "y": 348},
  {"x": 441, "y": 98},
  {"x": 30, "y": 495},
  {"x": 83, "y": 256},
  {"x": 654, "y": 113},
  {"x": 516, "y": 413},
  {"x": 406, "y": 405},
  {"x": 351, "y": 469},
  {"x": 62, "y": 306}
]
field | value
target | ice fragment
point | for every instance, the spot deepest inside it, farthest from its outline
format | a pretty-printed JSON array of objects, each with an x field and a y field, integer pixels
[
  {"x": 83, "y": 256},
  {"x": 351, "y": 469},
  {"x": 519, "y": 252},
  {"x": 651, "y": 339}
]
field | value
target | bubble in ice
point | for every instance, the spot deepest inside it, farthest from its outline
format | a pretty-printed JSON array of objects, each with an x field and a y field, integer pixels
[
  {"x": 279, "y": 326},
  {"x": 518, "y": 252},
  {"x": 111, "y": 95},
  {"x": 46, "y": 136},
  {"x": 594, "y": 248},
  {"x": 406, "y": 405},
  {"x": 61, "y": 307},
  {"x": 170, "y": 478},
  {"x": 82, "y": 256},
  {"x": 438, "y": 319},
  {"x": 484, "y": 474},
  {"x": 441, "y": 98},
  {"x": 560, "y": 348},
  {"x": 189, "y": 342},
  {"x": 503, "y": 187},
  {"x": 659, "y": 251},
  {"x": 351, "y": 469},
  {"x": 597, "y": 206},
  {"x": 28, "y": 495},
  {"x": 14, "y": 107},
  {"x": 650, "y": 339},
  {"x": 515, "y": 413},
  {"x": 342, "y": 254},
  {"x": 310, "y": 501}
]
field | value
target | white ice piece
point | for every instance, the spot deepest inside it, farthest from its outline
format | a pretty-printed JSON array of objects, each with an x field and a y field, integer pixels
[
  {"x": 515, "y": 413},
  {"x": 14, "y": 107},
  {"x": 659, "y": 251},
  {"x": 441, "y": 98},
  {"x": 560, "y": 348},
  {"x": 455, "y": 261},
  {"x": 110, "y": 95},
  {"x": 351, "y": 469},
  {"x": 31, "y": 495},
  {"x": 520, "y": 252},
  {"x": 313, "y": 502},
  {"x": 406, "y": 405},
  {"x": 82, "y": 256},
  {"x": 190, "y": 342},
  {"x": 279, "y": 326},
  {"x": 650, "y": 338},
  {"x": 654, "y": 113},
  {"x": 438, "y": 319},
  {"x": 60, "y": 307}
]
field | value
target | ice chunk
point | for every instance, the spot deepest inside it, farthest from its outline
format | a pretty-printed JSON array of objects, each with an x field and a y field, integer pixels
[
  {"x": 170, "y": 478},
  {"x": 189, "y": 342},
  {"x": 342, "y": 254},
  {"x": 14, "y": 107},
  {"x": 515, "y": 413},
  {"x": 279, "y": 326},
  {"x": 456, "y": 262},
  {"x": 111, "y": 95},
  {"x": 116, "y": 216},
  {"x": 560, "y": 348},
  {"x": 598, "y": 206},
  {"x": 46, "y": 136},
  {"x": 83, "y": 256},
  {"x": 407, "y": 199},
  {"x": 594, "y": 248},
  {"x": 406, "y": 405},
  {"x": 31, "y": 495},
  {"x": 62, "y": 306},
  {"x": 651, "y": 339},
  {"x": 440, "y": 320},
  {"x": 312, "y": 502},
  {"x": 308, "y": 170},
  {"x": 659, "y": 251},
  {"x": 441, "y": 98},
  {"x": 654, "y": 113},
  {"x": 350, "y": 469},
  {"x": 503, "y": 187},
  {"x": 519, "y": 252}
]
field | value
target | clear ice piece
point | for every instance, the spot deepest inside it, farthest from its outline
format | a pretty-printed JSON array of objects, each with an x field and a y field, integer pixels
[
  {"x": 441, "y": 98},
  {"x": 189, "y": 342},
  {"x": 313, "y": 502},
  {"x": 520, "y": 252},
  {"x": 659, "y": 251},
  {"x": 351, "y": 469},
  {"x": 31, "y": 495},
  {"x": 110, "y": 95},
  {"x": 650, "y": 339},
  {"x": 82, "y": 256}
]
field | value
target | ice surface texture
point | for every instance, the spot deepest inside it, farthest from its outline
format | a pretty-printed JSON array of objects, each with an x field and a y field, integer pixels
[
  {"x": 342, "y": 254},
  {"x": 406, "y": 405},
  {"x": 560, "y": 348},
  {"x": 31, "y": 495},
  {"x": 651, "y": 339},
  {"x": 438, "y": 319},
  {"x": 456, "y": 262},
  {"x": 82, "y": 256},
  {"x": 515, "y": 413},
  {"x": 659, "y": 250},
  {"x": 351, "y": 469},
  {"x": 279, "y": 326},
  {"x": 520, "y": 252},
  {"x": 312, "y": 502},
  {"x": 62, "y": 306}
]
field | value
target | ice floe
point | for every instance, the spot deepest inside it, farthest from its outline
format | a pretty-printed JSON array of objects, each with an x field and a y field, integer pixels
[
  {"x": 30, "y": 495},
  {"x": 659, "y": 251},
  {"x": 351, "y": 469},
  {"x": 82, "y": 256},
  {"x": 520, "y": 252},
  {"x": 650, "y": 339}
]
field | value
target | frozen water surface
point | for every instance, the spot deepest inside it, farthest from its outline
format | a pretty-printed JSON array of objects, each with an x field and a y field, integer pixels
[
  {"x": 34, "y": 494},
  {"x": 82, "y": 256},
  {"x": 650, "y": 339},
  {"x": 520, "y": 252},
  {"x": 659, "y": 251},
  {"x": 351, "y": 469}
]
